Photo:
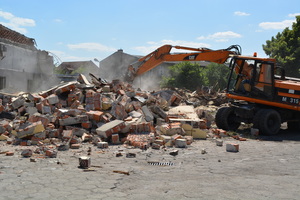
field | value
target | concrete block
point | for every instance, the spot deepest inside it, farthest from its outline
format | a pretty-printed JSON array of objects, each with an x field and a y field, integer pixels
[
  {"x": 73, "y": 120},
  {"x": 17, "y": 102},
  {"x": 52, "y": 99},
  {"x": 31, "y": 110},
  {"x": 219, "y": 142},
  {"x": 180, "y": 143},
  {"x": 31, "y": 129},
  {"x": 65, "y": 88},
  {"x": 27, "y": 153},
  {"x": 39, "y": 117},
  {"x": 109, "y": 128},
  {"x": 147, "y": 113},
  {"x": 102, "y": 145},
  {"x": 156, "y": 146},
  {"x": 232, "y": 147},
  {"x": 76, "y": 131}
]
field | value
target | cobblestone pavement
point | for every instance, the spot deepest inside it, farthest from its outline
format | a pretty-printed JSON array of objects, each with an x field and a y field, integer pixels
[{"x": 268, "y": 168}]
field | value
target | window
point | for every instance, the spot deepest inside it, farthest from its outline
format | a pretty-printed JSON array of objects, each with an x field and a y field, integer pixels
[{"x": 2, "y": 82}]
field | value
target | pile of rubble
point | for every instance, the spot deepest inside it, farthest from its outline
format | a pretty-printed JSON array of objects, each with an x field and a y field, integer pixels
[{"x": 102, "y": 113}]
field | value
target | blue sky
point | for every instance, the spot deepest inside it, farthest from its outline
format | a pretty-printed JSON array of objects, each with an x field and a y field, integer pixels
[{"x": 83, "y": 30}]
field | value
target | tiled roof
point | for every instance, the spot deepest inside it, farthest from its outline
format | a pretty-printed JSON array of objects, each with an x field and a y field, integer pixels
[
  {"x": 72, "y": 66},
  {"x": 14, "y": 36}
]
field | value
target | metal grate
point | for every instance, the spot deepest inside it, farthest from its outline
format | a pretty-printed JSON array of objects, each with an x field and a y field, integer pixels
[{"x": 161, "y": 163}]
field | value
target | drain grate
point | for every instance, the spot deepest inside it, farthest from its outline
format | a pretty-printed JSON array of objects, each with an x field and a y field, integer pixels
[{"x": 161, "y": 163}]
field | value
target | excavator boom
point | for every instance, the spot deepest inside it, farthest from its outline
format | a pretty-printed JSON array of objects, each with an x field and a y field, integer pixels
[{"x": 162, "y": 54}]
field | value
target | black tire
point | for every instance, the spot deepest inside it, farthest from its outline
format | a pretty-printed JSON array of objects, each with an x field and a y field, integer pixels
[
  {"x": 226, "y": 119},
  {"x": 218, "y": 119},
  {"x": 268, "y": 121}
]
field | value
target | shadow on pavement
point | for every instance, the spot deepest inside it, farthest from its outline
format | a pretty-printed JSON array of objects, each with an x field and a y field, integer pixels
[{"x": 283, "y": 135}]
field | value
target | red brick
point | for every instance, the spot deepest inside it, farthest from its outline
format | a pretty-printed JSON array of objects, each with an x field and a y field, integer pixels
[
  {"x": 75, "y": 146},
  {"x": 115, "y": 139},
  {"x": 86, "y": 125},
  {"x": 9, "y": 153}
]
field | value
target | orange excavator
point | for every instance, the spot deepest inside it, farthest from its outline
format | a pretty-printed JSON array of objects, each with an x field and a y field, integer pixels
[{"x": 259, "y": 92}]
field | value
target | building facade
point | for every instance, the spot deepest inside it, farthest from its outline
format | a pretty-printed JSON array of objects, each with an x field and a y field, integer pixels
[{"x": 22, "y": 66}]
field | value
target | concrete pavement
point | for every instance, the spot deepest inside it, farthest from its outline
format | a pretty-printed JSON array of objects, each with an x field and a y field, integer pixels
[{"x": 263, "y": 169}]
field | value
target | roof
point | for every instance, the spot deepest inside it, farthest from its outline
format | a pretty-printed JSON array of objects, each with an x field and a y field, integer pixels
[
  {"x": 13, "y": 36},
  {"x": 72, "y": 66}
]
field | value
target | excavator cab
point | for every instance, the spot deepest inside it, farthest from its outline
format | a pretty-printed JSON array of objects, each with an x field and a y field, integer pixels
[{"x": 251, "y": 77}]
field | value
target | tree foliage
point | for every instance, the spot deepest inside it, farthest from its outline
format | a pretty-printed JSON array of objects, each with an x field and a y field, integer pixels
[
  {"x": 192, "y": 76},
  {"x": 285, "y": 48}
]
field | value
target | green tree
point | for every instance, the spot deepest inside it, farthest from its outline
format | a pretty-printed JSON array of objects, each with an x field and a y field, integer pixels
[
  {"x": 216, "y": 75},
  {"x": 192, "y": 76},
  {"x": 184, "y": 75},
  {"x": 285, "y": 48}
]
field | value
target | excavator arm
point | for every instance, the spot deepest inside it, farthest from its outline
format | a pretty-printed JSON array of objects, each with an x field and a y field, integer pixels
[{"x": 162, "y": 54}]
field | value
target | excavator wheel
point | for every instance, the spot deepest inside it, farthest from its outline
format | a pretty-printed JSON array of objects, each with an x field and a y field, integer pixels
[
  {"x": 226, "y": 119},
  {"x": 268, "y": 121}
]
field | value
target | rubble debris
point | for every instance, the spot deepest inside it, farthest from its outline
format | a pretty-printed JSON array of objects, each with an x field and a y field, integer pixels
[
  {"x": 107, "y": 113},
  {"x": 219, "y": 142},
  {"x": 174, "y": 152},
  {"x": 27, "y": 153}
]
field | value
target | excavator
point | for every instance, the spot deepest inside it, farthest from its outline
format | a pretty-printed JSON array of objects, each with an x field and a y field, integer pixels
[{"x": 260, "y": 94}]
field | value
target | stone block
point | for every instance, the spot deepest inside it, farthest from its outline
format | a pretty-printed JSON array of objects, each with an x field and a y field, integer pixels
[
  {"x": 180, "y": 143},
  {"x": 52, "y": 99},
  {"x": 147, "y": 113},
  {"x": 31, "y": 129},
  {"x": 84, "y": 162},
  {"x": 27, "y": 153},
  {"x": 102, "y": 145},
  {"x": 232, "y": 147},
  {"x": 219, "y": 142},
  {"x": 17, "y": 102},
  {"x": 73, "y": 120},
  {"x": 106, "y": 130}
]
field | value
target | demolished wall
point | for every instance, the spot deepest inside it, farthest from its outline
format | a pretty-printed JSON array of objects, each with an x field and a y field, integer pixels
[{"x": 23, "y": 67}]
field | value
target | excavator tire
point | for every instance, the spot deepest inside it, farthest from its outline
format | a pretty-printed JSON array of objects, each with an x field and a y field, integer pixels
[
  {"x": 226, "y": 119},
  {"x": 268, "y": 121},
  {"x": 218, "y": 118}
]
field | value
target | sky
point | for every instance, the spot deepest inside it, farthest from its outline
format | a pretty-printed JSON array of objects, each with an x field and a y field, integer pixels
[{"x": 81, "y": 30}]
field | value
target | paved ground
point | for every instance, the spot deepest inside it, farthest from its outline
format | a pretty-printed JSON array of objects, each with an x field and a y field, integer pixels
[{"x": 268, "y": 168}]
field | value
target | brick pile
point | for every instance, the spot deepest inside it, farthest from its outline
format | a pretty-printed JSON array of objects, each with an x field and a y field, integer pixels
[{"x": 100, "y": 113}]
